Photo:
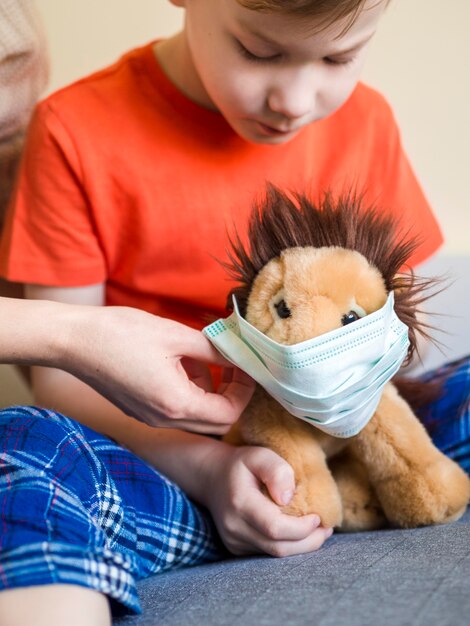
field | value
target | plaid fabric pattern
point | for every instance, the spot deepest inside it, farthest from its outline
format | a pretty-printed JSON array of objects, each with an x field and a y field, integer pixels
[
  {"x": 77, "y": 508},
  {"x": 448, "y": 419}
]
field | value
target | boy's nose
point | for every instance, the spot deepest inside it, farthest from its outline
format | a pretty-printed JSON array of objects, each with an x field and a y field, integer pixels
[{"x": 294, "y": 97}]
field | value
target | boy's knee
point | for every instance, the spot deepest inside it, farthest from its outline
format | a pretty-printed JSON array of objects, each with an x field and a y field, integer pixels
[
  {"x": 27, "y": 427},
  {"x": 29, "y": 415}
]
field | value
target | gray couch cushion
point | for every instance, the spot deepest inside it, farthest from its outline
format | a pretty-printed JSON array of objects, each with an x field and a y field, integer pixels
[{"x": 382, "y": 578}]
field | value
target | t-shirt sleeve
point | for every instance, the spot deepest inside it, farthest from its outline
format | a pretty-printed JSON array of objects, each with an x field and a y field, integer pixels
[
  {"x": 400, "y": 190},
  {"x": 49, "y": 236}
]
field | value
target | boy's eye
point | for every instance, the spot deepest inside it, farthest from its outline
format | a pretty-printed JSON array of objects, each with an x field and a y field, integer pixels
[
  {"x": 350, "y": 317},
  {"x": 282, "y": 309},
  {"x": 256, "y": 58},
  {"x": 339, "y": 62}
]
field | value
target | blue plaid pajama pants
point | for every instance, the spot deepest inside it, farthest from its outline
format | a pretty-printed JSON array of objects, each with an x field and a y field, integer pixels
[
  {"x": 448, "y": 419},
  {"x": 78, "y": 508}
]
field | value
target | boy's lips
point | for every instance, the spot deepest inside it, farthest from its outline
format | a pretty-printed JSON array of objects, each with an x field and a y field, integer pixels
[{"x": 273, "y": 131}]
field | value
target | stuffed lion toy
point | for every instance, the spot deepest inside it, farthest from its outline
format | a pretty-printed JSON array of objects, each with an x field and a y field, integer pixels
[{"x": 307, "y": 271}]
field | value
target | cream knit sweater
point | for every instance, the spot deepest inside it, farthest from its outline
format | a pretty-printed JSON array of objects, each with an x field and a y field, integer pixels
[{"x": 23, "y": 75}]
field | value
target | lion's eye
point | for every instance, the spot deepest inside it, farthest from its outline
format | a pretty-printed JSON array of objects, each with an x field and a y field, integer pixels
[
  {"x": 282, "y": 309},
  {"x": 350, "y": 317}
]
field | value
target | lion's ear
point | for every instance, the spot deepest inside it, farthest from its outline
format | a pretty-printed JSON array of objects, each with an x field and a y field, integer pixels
[{"x": 265, "y": 286}]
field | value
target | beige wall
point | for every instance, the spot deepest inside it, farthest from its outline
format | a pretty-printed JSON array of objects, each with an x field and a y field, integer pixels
[{"x": 420, "y": 60}]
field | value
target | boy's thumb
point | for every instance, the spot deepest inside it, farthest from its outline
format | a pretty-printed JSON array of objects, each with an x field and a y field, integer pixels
[{"x": 275, "y": 473}]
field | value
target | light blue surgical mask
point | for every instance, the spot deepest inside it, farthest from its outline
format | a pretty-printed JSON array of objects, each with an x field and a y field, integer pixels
[{"x": 333, "y": 381}]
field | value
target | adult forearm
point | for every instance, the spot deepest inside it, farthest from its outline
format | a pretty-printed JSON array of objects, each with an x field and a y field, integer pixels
[
  {"x": 132, "y": 358},
  {"x": 33, "y": 334},
  {"x": 48, "y": 333}
]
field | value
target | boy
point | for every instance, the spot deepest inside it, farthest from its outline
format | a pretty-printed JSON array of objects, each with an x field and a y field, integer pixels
[{"x": 129, "y": 180}]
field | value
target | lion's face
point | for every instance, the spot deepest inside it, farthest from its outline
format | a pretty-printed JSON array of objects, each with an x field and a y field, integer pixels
[{"x": 309, "y": 291}]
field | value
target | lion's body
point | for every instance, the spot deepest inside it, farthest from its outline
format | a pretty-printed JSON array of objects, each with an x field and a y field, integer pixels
[{"x": 391, "y": 471}]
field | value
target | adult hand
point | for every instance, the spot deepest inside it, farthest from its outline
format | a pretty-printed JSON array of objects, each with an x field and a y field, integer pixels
[
  {"x": 249, "y": 521},
  {"x": 154, "y": 369}
]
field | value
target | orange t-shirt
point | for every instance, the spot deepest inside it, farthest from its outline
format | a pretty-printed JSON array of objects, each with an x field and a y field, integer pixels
[{"x": 126, "y": 181}]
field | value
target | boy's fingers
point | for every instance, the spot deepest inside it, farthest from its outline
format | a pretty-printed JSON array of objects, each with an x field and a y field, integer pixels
[
  {"x": 288, "y": 548},
  {"x": 290, "y": 542},
  {"x": 281, "y": 527},
  {"x": 274, "y": 472},
  {"x": 265, "y": 519}
]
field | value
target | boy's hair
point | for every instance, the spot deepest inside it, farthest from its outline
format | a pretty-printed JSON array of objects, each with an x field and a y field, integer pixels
[{"x": 328, "y": 11}]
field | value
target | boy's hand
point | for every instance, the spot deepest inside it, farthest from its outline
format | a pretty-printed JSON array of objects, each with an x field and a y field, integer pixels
[
  {"x": 247, "y": 520},
  {"x": 155, "y": 369}
]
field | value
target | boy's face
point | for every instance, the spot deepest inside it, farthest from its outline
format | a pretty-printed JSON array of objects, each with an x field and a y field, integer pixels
[{"x": 268, "y": 74}]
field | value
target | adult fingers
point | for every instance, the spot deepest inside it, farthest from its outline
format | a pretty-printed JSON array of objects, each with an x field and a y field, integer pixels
[
  {"x": 216, "y": 408},
  {"x": 238, "y": 388},
  {"x": 199, "y": 373},
  {"x": 235, "y": 375},
  {"x": 197, "y": 346},
  {"x": 198, "y": 403}
]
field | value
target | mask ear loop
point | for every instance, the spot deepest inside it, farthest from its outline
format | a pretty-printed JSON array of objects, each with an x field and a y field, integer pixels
[{"x": 223, "y": 341}]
